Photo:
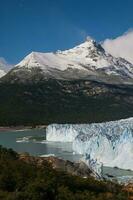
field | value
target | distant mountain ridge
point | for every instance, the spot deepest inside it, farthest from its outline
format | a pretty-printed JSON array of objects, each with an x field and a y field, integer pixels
[
  {"x": 2, "y": 73},
  {"x": 4, "y": 67}
]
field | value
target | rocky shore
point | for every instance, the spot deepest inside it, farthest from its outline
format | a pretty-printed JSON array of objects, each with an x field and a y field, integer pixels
[{"x": 73, "y": 168}]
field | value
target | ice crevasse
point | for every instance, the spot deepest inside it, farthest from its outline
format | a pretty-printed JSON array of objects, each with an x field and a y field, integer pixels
[{"x": 108, "y": 143}]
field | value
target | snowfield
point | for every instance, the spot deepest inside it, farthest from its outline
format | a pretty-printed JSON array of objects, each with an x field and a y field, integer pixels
[{"x": 108, "y": 144}]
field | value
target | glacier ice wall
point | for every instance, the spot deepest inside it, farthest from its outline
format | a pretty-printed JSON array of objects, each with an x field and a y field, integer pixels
[
  {"x": 109, "y": 143},
  {"x": 61, "y": 132}
]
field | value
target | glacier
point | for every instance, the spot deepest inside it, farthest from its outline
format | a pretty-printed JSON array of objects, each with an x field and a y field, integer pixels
[{"x": 109, "y": 143}]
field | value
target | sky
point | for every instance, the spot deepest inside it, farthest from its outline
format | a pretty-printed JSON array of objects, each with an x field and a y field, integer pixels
[{"x": 50, "y": 25}]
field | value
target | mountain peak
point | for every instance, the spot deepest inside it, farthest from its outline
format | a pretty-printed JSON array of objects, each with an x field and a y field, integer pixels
[
  {"x": 90, "y": 39},
  {"x": 32, "y": 54}
]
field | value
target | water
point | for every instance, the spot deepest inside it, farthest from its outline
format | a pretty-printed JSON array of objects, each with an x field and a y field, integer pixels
[
  {"x": 121, "y": 175},
  {"x": 33, "y": 141}
]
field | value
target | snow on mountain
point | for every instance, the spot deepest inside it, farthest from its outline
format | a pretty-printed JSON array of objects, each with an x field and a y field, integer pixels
[
  {"x": 88, "y": 58},
  {"x": 2, "y": 73},
  {"x": 110, "y": 143},
  {"x": 4, "y": 67}
]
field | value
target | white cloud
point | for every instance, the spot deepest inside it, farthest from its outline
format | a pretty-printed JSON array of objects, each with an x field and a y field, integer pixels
[{"x": 121, "y": 46}]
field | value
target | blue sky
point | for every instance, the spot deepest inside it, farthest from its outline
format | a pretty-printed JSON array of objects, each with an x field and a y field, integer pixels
[{"x": 49, "y": 25}]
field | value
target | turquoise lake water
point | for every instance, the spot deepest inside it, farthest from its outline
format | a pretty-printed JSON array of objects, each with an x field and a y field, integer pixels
[{"x": 33, "y": 141}]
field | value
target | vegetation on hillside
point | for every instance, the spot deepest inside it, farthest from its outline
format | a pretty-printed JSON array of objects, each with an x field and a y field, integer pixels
[
  {"x": 53, "y": 101},
  {"x": 25, "y": 181}
]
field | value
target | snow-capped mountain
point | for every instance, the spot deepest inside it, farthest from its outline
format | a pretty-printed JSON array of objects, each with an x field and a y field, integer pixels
[
  {"x": 80, "y": 85},
  {"x": 86, "y": 61},
  {"x": 110, "y": 143},
  {"x": 4, "y": 67},
  {"x": 2, "y": 73}
]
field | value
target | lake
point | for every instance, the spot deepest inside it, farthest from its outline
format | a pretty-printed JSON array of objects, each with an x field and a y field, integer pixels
[{"x": 33, "y": 141}]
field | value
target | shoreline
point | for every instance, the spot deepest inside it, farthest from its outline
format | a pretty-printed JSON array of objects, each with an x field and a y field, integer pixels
[{"x": 20, "y": 128}]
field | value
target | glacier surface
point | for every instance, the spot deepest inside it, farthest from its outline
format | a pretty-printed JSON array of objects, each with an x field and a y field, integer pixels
[{"x": 108, "y": 144}]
